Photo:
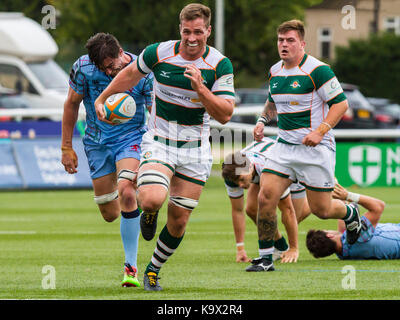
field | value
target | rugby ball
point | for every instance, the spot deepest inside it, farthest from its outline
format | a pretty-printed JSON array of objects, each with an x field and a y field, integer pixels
[{"x": 119, "y": 108}]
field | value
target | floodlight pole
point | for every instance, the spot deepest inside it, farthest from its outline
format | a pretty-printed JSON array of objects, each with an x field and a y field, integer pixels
[{"x": 219, "y": 28}]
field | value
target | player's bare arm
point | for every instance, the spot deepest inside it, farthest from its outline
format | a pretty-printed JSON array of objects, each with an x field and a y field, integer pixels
[
  {"x": 218, "y": 108},
  {"x": 334, "y": 115},
  {"x": 374, "y": 206},
  {"x": 69, "y": 158},
  {"x": 125, "y": 79},
  {"x": 239, "y": 227},
  {"x": 267, "y": 115}
]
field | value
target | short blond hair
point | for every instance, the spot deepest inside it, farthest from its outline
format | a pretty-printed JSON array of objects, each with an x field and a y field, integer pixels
[
  {"x": 196, "y": 10},
  {"x": 295, "y": 25}
]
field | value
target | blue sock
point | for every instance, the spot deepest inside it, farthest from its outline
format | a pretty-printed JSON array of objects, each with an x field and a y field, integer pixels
[{"x": 130, "y": 229}]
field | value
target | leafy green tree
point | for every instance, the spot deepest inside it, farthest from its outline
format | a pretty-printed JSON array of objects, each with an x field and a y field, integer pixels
[
  {"x": 373, "y": 64},
  {"x": 250, "y": 26},
  {"x": 32, "y": 8}
]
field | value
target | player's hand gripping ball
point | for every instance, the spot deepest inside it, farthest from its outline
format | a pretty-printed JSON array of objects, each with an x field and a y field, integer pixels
[{"x": 119, "y": 108}]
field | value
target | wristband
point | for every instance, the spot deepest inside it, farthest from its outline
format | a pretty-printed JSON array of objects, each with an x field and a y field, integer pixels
[
  {"x": 353, "y": 197},
  {"x": 264, "y": 119},
  {"x": 240, "y": 244},
  {"x": 327, "y": 124},
  {"x": 66, "y": 148}
]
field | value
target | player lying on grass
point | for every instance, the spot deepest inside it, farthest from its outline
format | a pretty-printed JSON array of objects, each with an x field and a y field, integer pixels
[
  {"x": 240, "y": 171},
  {"x": 376, "y": 241}
]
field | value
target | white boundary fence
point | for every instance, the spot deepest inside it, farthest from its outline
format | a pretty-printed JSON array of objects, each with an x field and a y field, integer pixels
[
  {"x": 248, "y": 128},
  {"x": 270, "y": 131}
]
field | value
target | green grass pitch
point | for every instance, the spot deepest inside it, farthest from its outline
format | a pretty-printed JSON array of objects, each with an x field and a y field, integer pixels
[{"x": 63, "y": 229}]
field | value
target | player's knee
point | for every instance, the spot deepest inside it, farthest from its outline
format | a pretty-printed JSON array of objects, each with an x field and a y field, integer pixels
[
  {"x": 149, "y": 201},
  {"x": 127, "y": 197},
  {"x": 152, "y": 189},
  {"x": 105, "y": 205},
  {"x": 110, "y": 217},
  {"x": 251, "y": 212},
  {"x": 320, "y": 211},
  {"x": 265, "y": 200}
]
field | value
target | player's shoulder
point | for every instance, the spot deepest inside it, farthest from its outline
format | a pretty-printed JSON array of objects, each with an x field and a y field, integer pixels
[
  {"x": 84, "y": 65},
  {"x": 84, "y": 62},
  {"x": 164, "y": 49},
  {"x": 275, "y": 69},
  {"x": 219, "y": 62},
  {"x": 132, "y": 55},
  {"x": 213, "y": 56},
  {"x": 312, "y": 66}
]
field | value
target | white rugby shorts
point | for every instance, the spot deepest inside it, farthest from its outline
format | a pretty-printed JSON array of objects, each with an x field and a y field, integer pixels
[
  {"x": 312, "y": 167},
  {"x": 191, "y": 164}
]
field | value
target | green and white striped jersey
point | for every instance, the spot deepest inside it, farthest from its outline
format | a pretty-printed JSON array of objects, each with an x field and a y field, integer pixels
[
  {"x": 302, "y": 96},
  {"x": 178, "y": 118}
]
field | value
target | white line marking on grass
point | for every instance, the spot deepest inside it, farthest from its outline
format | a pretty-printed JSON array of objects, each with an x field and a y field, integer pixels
[
  {"x": 17, "y": 232},
  {"x": 339, "y": 271},
  {"x": 7, "y": 219}
]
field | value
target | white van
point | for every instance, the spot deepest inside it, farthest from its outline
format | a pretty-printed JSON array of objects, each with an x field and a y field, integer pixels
[{"x": 26, "y": 62}]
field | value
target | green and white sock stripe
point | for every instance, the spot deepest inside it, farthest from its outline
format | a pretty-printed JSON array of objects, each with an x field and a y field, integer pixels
[
  {"x": 166, "y": 246},
  {"x": 351, "y": 213}
]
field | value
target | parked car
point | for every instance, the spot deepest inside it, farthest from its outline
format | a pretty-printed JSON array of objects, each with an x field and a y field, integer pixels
[
  {"x": 387, "y": 113},
  {"x": 249, "y": 97},
  {"x": 10, "y": 99},
  {"x": 27, "y": 65},
  {"x": 360, "y": 114}
]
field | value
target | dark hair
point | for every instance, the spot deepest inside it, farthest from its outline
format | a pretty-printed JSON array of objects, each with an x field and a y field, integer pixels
[
  {"x": 319, "y": 244},
  {"x": 102, "y": 46},
  {"x": 196, "y": 10},
  {"x": 296, "y": 25},
  {"x": 234, "y": 165}
]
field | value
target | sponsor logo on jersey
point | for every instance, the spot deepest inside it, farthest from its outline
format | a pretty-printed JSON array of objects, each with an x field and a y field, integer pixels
[
  {"x": 332, "y": 88},
  {"x": 295, "y": 84},
  {"x": 165, "y": 74},
  {"x": 174, "y": 95},
  {"x": 226, "y": 82},
  {"x": 134, "y": 147},
  {"x": 147, "y": 155}
]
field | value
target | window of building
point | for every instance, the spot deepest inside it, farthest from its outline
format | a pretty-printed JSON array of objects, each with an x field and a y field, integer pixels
[
  {"x": 392, "y": 24},
  {"x": 325, "y": 43}
]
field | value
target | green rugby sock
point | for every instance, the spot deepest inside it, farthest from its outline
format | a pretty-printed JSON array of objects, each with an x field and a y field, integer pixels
[
  {"x": 281, "y": 244},
  {"x": 166, "y": 246},
  {"x": 266, "y": 248},
  {"x": 350, "y": 215}
]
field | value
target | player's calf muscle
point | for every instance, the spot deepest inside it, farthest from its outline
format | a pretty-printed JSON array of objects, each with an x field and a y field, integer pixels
[{"x": 266, "y": 226}]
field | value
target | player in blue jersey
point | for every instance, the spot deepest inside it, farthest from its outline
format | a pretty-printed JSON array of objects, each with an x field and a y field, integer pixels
[
  {"x": 113, "y": 151},
  {"x": 376, "y": 241}
]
